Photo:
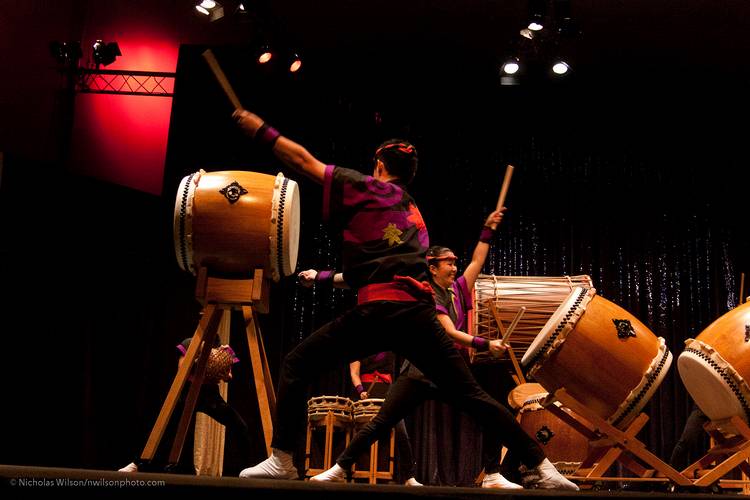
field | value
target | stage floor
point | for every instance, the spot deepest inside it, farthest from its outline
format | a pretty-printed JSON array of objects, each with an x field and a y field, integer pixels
[{"x": 17, "y": 480}]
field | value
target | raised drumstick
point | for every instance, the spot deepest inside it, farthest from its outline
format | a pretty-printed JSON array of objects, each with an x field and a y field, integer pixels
[
  {"x": 208, "y": 55},
  {"x": 504, "y": 189}
]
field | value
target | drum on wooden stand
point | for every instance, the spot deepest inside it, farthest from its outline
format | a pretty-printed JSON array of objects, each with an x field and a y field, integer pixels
[
  {"x": 564, "y": 446},
  {"x": 365, "y": 409},
  {"x": 319, "y": 407},
  {"x": 715, "y": 366},
  {"x": 234, "y": 222},
  {"x": 601, "y": 354},
  {"x": 540, "y": 295}
]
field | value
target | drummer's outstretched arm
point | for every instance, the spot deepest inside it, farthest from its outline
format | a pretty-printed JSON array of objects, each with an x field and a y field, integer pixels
[
  {"x": 495, "y": 347},
  {"x": 293, "y": 155},
  {"x": 483, "y": 248}
]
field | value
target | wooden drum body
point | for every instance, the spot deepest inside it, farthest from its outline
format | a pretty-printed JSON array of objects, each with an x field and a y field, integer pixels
[
  {"x": 234, "y": 222},
  {"x": 564, "y": 446},
  {"x": 601, "y": 354},
  {"x": 715, "y": 366},
  {"x": 540, "y": 295}
]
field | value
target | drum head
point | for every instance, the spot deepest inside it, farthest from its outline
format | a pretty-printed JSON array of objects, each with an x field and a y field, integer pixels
[
  {"x": 550, "y": 328},
  {"x": 284, "y": 229},
  {"x": 712, "y": 390},
  {"x": 522, "y": 393}
]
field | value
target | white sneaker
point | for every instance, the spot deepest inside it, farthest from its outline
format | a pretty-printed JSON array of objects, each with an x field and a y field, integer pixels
[
  {"x": 547, "y": 477},
  {"x": 413, "y": 482},
  {"x": 131, "y": 467},
  {"x": 335, "y": 474},
  {"x": 278, "y": 466},
  {"x": 496, "y": 480}
]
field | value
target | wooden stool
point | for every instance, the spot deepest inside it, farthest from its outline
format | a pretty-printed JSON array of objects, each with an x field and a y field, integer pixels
[
  {"x": 329, "y": 413},
  {"x": 364, "y": 411}
]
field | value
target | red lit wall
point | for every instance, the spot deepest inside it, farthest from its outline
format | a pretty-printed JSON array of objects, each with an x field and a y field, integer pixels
[{"x": 123, "y": 138}]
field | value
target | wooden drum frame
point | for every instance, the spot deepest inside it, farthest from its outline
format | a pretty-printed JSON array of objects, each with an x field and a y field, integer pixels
[
  {"x": 601, "y": 354},
  {"x": 234, "y": 222}
]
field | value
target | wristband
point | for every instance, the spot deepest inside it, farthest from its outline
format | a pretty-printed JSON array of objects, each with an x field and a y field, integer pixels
[
  {"x": 325, "y": 277},
  {"x": 266, "y": 135},
  {"x": 487, "y": 235},
  {"x": 360, "y": 389},
  {"x": 481, "y": 344}
]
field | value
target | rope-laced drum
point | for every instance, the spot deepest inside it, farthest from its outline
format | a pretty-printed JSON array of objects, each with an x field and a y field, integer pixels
[
  {"x": 715, "y": 366},
  {"x": 234, "y": 222},
  {"x": 319, "y": 407},
  {"x": 365, "y": 409},
  {"x": 540, "y": 295},
  {"x": 601, "y": 354},
  {"x": 564, "y": 446}
]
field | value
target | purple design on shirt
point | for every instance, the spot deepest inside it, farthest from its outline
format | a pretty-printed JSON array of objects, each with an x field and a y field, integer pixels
[
  {"x": 387, "y": 194},
  {"x": 369, "y": 226},
  {"x": 182, "y": 349},
  {"x": 380, "y": 356}
]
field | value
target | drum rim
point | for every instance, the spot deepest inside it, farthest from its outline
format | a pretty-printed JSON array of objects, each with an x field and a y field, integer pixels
[
  {"x": 558, "y": 325},
  {"x": 182, "y": 223},
  {"x": 284, "y": 227}
]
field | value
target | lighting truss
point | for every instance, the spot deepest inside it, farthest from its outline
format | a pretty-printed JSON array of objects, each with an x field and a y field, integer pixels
[{"x": 145, "y": 83}]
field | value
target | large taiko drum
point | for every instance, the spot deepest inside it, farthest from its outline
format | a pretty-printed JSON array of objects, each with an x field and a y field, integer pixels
[
  {"x": 234, "y": 222},
  {"x": 715, "y": 366},
  {"x": 540, "y": 295},
  {"x": 601, "y": 354},
  {"x": 564, "y": 446}
]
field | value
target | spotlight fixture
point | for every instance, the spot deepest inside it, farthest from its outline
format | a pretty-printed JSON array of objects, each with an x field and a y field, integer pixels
[
  {"x": 105, "y": 53},
  {"x": 537, "y": 11},
  {"x": 66, "y": 52},
  {"x": 560, "y": 67},
  {"x": 265, "y": 55},
  {"x": 511, "y": 66},
  {"x": 296, "y": 63},
  {"x": 210, "y": 8}
]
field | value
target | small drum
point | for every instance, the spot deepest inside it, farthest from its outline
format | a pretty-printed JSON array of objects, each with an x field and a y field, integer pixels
[
  {"x": 365, "y": 409},
  {"x": 319, "y": 407},
  {"x": 523, "y": 392},
  {"x": 540, "y": 295},
  {"x": 234, "y": 222},
  {"x": 604, "y": 357},
  {"x": 715, "y": 366},
  {"x": 565, "y": 447}
]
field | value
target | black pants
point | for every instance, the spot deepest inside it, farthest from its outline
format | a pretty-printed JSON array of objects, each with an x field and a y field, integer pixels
[
  {"x": 406, "y": 466},
  {"x": 692, "y": 439},
  {"x": 411, "y": 330}
]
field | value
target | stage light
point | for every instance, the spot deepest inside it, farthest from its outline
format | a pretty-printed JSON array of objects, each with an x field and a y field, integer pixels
[
  {"x": 265, "y": 55},
  {"x": 560, "y": 67},
  {"x": 537, "y": 11},
  {"x": 210, "y": 8},
  {"x": 296, "y": 64},
  {"x": 105, "y": 53},
  {"x": 511, "y": 66},
  {"x": 66, "y": 52}
]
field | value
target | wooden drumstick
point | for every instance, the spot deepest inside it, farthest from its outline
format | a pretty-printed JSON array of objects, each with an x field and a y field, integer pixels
[
  {"x": 742, "y": 286},
  {"x": 513, "y": 324},
  {"x": 504, "y": 190},
  {"x": 208, "y": 55}
]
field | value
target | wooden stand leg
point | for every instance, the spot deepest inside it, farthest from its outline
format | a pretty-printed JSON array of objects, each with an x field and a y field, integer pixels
[
  {"x": 261, "y": 374},
  {"x": 207, "y": 325}
]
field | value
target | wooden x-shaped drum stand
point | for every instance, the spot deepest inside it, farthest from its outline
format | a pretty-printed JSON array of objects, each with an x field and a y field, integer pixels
[
  {"x": 731, "y": 450},
  {"x": 219, "y": 297},
  {"x": 609, "y": 444}
]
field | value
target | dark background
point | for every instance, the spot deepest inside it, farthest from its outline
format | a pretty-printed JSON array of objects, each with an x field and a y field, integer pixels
[{"x": 636, "y": 178}]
